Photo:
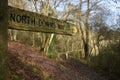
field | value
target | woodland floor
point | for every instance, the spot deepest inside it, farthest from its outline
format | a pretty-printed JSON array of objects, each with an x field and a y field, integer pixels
[{"x": 27, "y": 63}]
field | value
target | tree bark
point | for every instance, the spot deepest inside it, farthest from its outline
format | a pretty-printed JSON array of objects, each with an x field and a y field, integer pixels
[
  {"x": 86, "y": 45},
  {"x": 48, "y": 42}
]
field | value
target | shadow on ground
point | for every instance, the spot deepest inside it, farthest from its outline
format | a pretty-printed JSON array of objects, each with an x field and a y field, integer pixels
[{"x": 26, "y": 63}]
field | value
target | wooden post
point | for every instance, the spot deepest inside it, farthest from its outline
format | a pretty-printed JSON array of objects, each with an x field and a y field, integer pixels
[{"x": 3, "y": 40}]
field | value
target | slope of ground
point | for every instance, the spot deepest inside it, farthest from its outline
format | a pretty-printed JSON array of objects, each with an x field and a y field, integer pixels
[{"x": 27, "y": 63}]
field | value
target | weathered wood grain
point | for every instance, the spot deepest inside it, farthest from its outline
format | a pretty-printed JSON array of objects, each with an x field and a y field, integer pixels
[
  {"x": 30, "y": 21},
  {"x": 4, "y": 71}
]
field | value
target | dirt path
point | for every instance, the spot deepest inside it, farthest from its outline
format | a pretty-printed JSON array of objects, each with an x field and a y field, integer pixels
[{"x": 30, "y": 65}]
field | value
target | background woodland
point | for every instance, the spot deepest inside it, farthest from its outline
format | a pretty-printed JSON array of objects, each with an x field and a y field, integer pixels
[{"x": 97, "y": 41}]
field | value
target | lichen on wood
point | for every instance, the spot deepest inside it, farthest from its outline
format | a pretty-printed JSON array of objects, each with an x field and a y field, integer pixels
[{"x": 29, "y": 21}]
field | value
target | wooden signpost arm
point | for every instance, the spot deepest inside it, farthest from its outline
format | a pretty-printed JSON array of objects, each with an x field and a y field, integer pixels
[
  {"x": 29, "y": 21},
  {"x": 3, "y": 40},
  {"x": 14, "y": 18}
]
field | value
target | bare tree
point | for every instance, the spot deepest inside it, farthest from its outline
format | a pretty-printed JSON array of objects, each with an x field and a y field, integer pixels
[{"x": 48, "y": 10}]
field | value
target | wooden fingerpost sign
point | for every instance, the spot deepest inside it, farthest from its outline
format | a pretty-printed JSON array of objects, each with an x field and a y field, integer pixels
[
  {"x": 14, "y": 18},
  {"x": 3, "y": 40},
  {"x": 29, "y": 21}
]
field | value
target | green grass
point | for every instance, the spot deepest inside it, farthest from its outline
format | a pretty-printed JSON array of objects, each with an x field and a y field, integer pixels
[{"x": 52, "y": 55}]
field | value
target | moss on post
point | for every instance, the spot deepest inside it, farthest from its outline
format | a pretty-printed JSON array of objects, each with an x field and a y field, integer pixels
[{"x": 3, "y": 40}]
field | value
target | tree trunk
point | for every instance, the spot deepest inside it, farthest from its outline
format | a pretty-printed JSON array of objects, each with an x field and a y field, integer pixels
[
  {"x": 48, "y": 42},
  {"x": 86, "y": 45},
  {"x": 33, "y": 39},
  {"x": 86, "y": 49},
  {"x": 15, "y": 35},
  {"x": 46, "y": 9}
]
